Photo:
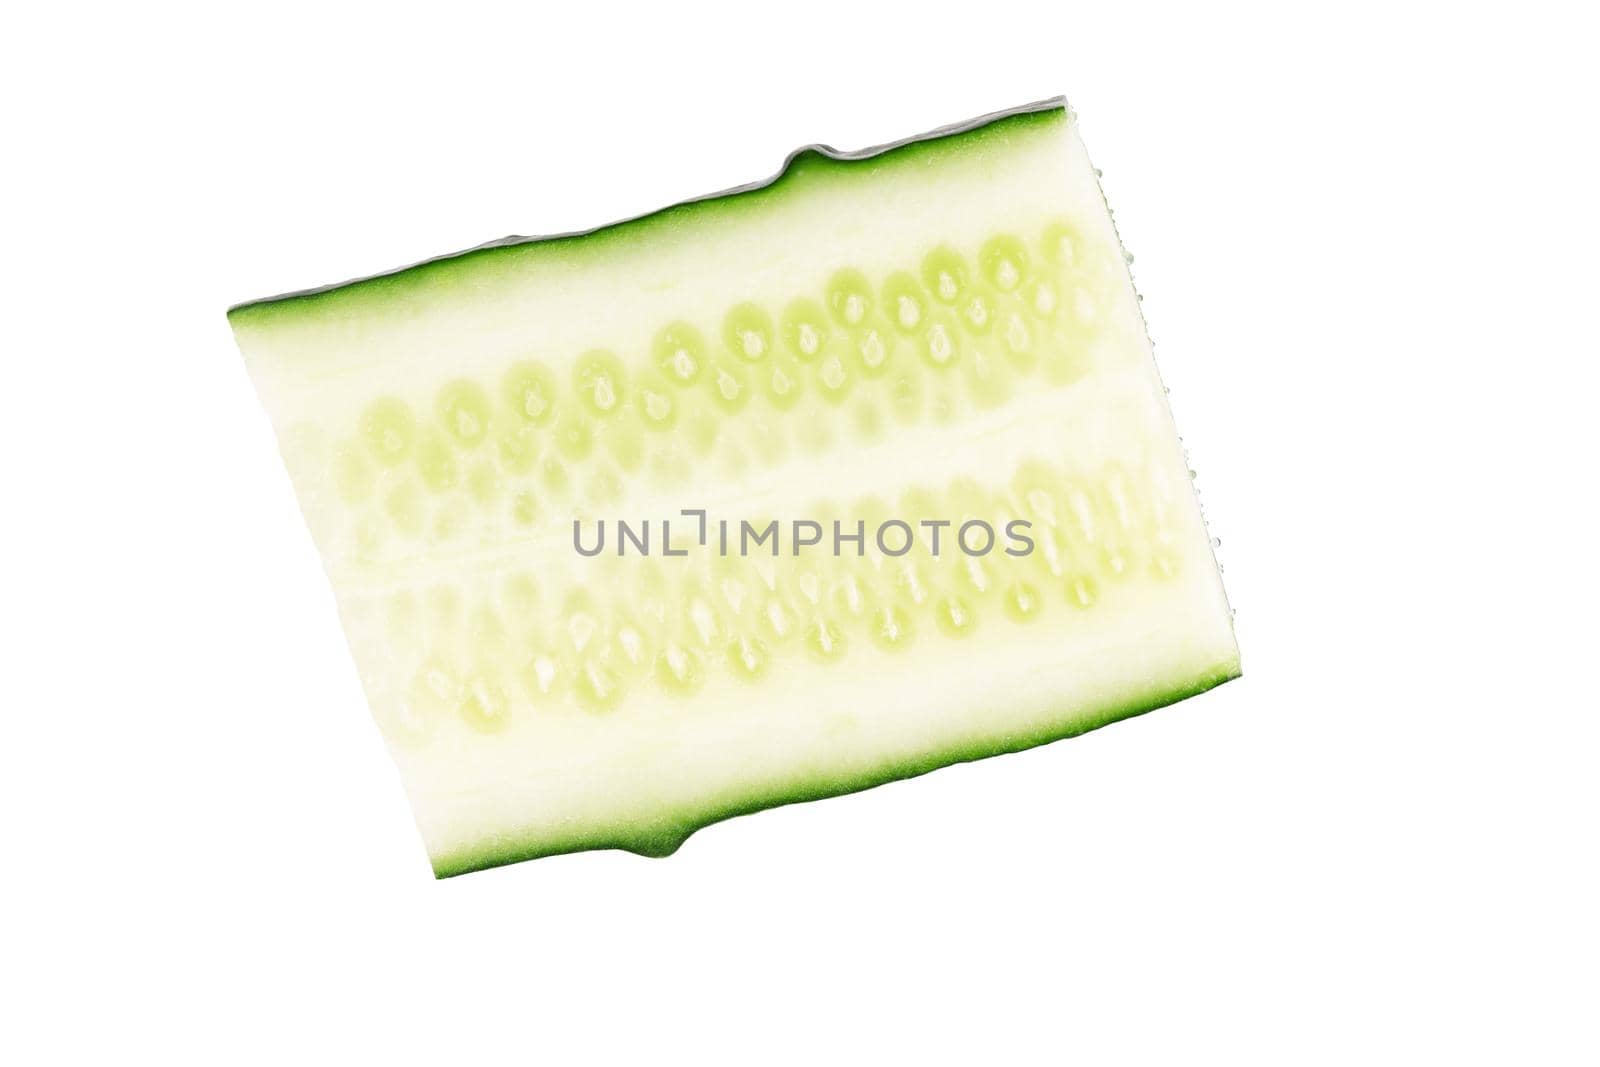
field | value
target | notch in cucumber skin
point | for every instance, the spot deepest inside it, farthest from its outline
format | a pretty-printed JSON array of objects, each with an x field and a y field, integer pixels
[{"x": 942, "y": 330}]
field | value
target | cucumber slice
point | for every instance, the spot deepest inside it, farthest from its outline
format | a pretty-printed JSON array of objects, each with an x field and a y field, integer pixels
[{"x": 931, "y": 343}]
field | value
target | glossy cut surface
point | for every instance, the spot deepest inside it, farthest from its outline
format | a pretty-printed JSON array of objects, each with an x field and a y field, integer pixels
[{"x": 941, "y": 337}]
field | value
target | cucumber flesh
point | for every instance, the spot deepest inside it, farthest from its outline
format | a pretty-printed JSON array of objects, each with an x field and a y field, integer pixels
[{"x": 925, "y": 341}]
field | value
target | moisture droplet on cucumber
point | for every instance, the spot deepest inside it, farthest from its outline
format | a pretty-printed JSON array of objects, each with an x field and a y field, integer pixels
[{"x": 935, "y": 342}]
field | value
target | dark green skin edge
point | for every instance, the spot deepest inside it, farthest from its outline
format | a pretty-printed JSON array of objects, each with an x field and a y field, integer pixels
[
  {"x": 666, "y": 838},
  {"x": 443, "y": 275}
]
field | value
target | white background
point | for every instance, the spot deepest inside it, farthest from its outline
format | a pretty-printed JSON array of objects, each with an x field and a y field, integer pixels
[{"x": 1366, "y": 239}]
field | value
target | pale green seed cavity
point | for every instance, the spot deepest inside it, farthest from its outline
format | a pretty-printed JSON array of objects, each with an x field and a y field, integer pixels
[
  {"x": 599, "y": 380},
  {"x": 530, "y": 391},
  {"x": 747, "y": 331},
  {"x": 463, "y": 410},
  {"x": 389, "y": 428},
  {"x": 850, "y": 297},
  {"x": 680, "y": 353}
]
